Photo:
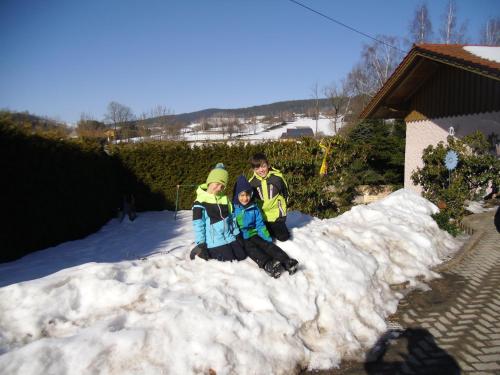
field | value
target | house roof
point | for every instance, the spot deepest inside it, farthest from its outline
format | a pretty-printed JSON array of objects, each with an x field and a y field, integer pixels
[
  {"x": 298, "y": 132},
  {"x": 418, "y": 65}
]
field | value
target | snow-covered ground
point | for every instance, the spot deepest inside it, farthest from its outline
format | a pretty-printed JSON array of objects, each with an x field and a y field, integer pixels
[
  {"x": 261, "y": 132},
  {"x": 127, "y": 299}
]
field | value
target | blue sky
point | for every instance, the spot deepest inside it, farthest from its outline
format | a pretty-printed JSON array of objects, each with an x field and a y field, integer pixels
[{"x": 64, "y": 57}]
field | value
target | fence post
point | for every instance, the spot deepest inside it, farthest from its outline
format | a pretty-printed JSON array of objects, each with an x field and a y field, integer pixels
[{"x": 176, "y": 202}]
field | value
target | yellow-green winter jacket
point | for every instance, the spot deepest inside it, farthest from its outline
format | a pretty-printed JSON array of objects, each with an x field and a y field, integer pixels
[{"x": 271, "y": 193}]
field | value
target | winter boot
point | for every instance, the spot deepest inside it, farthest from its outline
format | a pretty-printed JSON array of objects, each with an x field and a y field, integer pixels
[
  {"x": 291, "y": 265},
  {"x": 274, "y": 268}
]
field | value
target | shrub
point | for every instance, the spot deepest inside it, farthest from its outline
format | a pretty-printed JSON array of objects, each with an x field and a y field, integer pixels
[
  {"x": 446, "y": 222},
  {"x": 52, "y": 191},
  {"x": 57, "y": 191},
  {"x": 477, "y": 169}
]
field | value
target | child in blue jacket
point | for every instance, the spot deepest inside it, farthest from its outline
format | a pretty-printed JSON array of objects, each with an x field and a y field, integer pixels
[
  {"x": 256, "y": 238},
  {"x": 213, "y": 220}
]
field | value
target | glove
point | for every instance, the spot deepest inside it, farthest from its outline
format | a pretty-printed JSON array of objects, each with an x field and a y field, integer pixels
[{"x": 200, "y": 250}]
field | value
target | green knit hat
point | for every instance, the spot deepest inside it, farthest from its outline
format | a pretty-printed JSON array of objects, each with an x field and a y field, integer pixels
[{"x": 218, "y": 174}]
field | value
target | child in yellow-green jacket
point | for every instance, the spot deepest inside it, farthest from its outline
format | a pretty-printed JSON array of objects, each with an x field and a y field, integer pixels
[{"x": 271, "y": 192}]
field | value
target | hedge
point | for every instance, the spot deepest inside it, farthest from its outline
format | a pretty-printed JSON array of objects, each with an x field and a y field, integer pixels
[
  {"x": 52, "y": 191},
  {"x": 60, "y": 190},
  {"x": 161, "y": 166}
]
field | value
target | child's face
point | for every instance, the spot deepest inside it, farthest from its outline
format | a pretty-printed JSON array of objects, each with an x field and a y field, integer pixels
[
  {"x": 215, "y": 188},
  {"x": 262, "y": 170},
  {"x": 244, "y": 198}
]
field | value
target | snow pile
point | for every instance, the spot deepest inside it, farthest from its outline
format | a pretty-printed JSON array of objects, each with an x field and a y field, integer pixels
[
  {"x": 485, "y": 52},
  {"x": 166, "y": 314},
  {"x": 477, "y": 207}
]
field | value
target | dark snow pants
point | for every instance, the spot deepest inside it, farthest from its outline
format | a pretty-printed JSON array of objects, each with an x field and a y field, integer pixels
[
  {"x": 229, "y": 252},
  {"x": 277, "y": 229},
  {"x": 261, "y": 251}
]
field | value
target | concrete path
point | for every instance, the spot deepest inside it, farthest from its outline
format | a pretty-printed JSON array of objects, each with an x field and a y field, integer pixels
[{"x": 455, "y": 327}]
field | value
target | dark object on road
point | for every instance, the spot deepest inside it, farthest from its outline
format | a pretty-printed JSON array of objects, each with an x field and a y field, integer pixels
[
  {"x": 497, "y": 219},
  {"x": 421, "y": 356}
]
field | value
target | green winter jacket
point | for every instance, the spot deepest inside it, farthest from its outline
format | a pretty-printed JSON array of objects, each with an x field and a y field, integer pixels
[{"x": 271, "y": 193}]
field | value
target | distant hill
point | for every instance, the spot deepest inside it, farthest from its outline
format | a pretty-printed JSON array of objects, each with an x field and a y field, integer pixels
[
  {"x": 33, "y": 123},
  {"x": 34, "y": 120},
  {"x": 273, "y": 109}
]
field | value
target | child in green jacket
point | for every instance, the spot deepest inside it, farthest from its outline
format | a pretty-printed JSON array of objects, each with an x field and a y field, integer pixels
[{"x": 271, "y": 192}]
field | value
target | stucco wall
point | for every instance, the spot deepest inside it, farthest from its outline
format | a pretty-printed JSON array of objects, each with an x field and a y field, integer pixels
[{"x": 420, "y": 134}]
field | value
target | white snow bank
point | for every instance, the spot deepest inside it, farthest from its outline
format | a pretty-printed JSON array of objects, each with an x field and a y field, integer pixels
[
  {"x": 169, "y": 315},
  {"x": 477, "y": 207},
  {"x": 485, "y": 52}
]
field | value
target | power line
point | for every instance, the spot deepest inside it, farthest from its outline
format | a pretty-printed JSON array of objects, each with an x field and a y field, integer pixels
[{"x": 344, "y": 25}]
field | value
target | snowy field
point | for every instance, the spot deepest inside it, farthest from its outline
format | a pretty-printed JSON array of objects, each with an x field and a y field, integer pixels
[
  {"x": 262, "y": 133},
  {"x": 127, "y": 299}
]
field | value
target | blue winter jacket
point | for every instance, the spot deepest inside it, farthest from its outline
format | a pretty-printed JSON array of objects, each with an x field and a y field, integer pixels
[
  {"x": 213, "y": 220},
  {"x": 250, "y": 221}
]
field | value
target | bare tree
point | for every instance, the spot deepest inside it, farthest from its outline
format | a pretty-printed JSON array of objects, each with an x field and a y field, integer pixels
[
  {"x": 243, "y": 127},
  {"x": 160, "y": 110},
  {"x": 378, "y": 61},
  {"x": 118, "y": 114},
  {"x": 162, "y": 118},
  {"x": 161, "y": 114},
  {"x": 286, "y": 116},
  {"x": 421, "y": 26},
  {"x": 490, "y": 32},
  {"x": 142, "y": 125},
  {"x": 223, "y": 125},
  {"x": 173, "y": 131},
  {"x": 315, "y": 96},
  {"x": 339, "y": 97},
  {"x": 232, "y": 125},
  {"x": 195, "y": 129},
  {"x": 253, "y": 124},
  {"x": 450, "y": 32},
  {"x": 228, "y": 124},
  {"x": 89, "y": 127},
  {"x": 204, "y": 124}
]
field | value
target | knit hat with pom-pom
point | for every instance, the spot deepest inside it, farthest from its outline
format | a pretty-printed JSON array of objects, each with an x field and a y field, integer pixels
[{"x": 218, "y": 174}]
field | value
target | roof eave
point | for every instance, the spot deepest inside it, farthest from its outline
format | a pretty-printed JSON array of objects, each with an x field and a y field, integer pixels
[
  {"x": 374, "y": 107},
  {"x": 387, "y": 88}
]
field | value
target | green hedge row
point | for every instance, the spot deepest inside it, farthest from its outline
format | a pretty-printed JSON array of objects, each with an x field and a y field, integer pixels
[
  {"x": 372, "y": 154},
  {"x": 52, "y": 191},
  {"x": 162, "y": 166},
  {"x": 55, "y": 190}
]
